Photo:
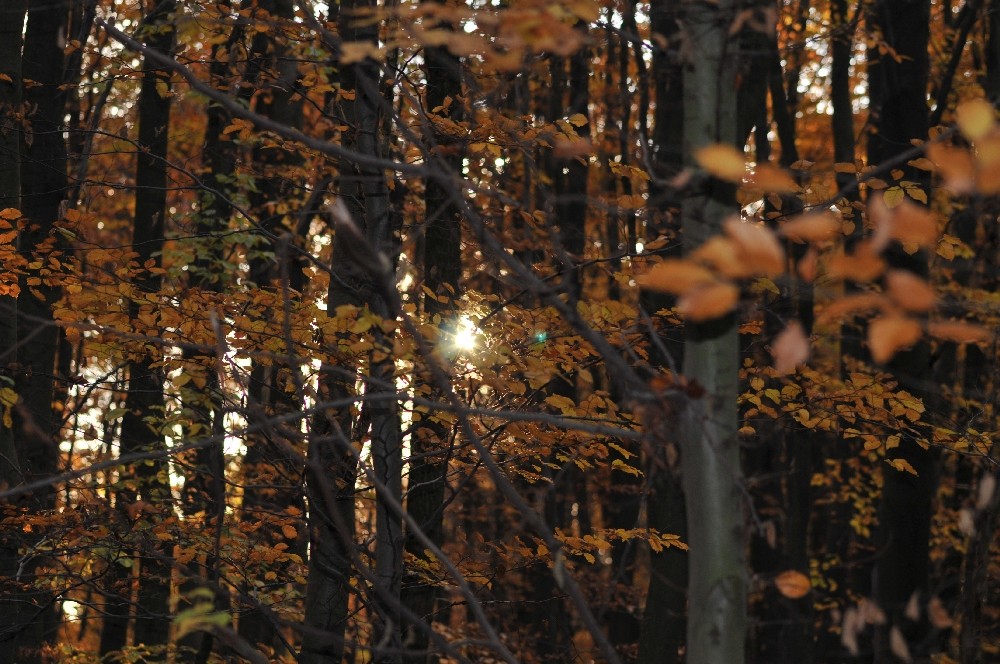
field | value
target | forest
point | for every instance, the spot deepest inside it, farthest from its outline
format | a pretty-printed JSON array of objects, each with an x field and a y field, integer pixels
[{"x": 461, "y": 331}]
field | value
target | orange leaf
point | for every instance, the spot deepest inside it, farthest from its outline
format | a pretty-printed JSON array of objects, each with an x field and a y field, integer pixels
[
  {"x": 863, "y": 265},
  {"x": 850, "y": 305},
  {"x": 708, "y": 302},
  {"x": 790, "y": 348},
  {"x": 955, "y": 165},
  {"x": 723, "y": 161},
  {"x": 675, "y": 275},
  {"x": 889, "y": 334},
  {"x": 770, "y": 178},
  {"x": 289, "y": 531},
  {"x": 912, "y": 223},
  {"x": 814, "y": 227},
  {"x": 793, "y": 584},
  {"x": 758, "y": 247},
  {"x": 722, "y": 255},
  {"x": 963, "y": 333},
  {"x": 910, "y": 291}
]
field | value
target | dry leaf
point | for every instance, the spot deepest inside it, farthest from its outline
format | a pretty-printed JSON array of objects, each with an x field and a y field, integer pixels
[
  {"x": 772, "y": 179},
  {"x": 984, "y": 496},
  {"x": 808, "y": 267},
  {"x": 863, "y": 265},
  {"x": 758, "y": 247},
  {"x": 955, "y": 165},
  {"x": 889, "y": 334},
  {"x": 851, "y": 305},
  {"x": 793, "y": 584},
  {"x": 676, "y": 275},
  {"x": 870, "y": 612},
  {"x": 790, "y": 348},
  {"x": 912, "y": 223},
  {"x": 897, "y": 644},
  {"x": 912, "y": 610},
  {"x": 723, "y": 161},
  {"x": 814, "y": 227},
  {"x": 849, "y": 630},
  {"x": 959, "y": 332},
  {"x": 975, "y": 118},
  {"x": 722, "y": 255},
  {"x": 910, "y": 291},
  {"x": 708, "y": 302},
  {"x": 938, "y": 615}
]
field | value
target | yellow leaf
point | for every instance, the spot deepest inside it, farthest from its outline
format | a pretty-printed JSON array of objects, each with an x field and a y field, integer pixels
[
  {"x": 975, "y": 118},
  {"x": 577, "y": 119},
  {"x": 793, "y": 584},
  {"x": 893, "y": 196},
  {"x": 723, "y": 161},
  {"x": 889, "y": 334}
]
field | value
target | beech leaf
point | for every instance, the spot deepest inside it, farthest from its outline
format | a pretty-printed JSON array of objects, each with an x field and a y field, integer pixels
[
  {"x": 723, "y": 161},
  {"x": 790, "y": 348},
  {"x": 910, "y": 291},
  {"x": 708, "y": 302},
  {"x": 793, "y": 584},
  {"x": 889, "y": 334},
  {"x": 757, "y": 246},
  {"x": 675, "y": 275},
  {"x": 975, "y": 118}
]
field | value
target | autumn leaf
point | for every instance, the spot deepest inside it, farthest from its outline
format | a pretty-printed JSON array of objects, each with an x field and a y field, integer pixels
[
  {"x": 793, "y": 584},
  {"x": 709, "y": 301},
  {"x": 912, "y": 223},
  {"x": 910, "y": 291},
  {"x": 863, "y": 265},
  {"x": 770, "y": 178},
  {"x": 955, "y": 165},
  {"x": 676, "y": 275},
  {"x": 812, "y": 227},
  {"x": 958, "y": 331},
  {"x": 889, "y": 334},
  {"x": 975, "y": 118},
  {"x": 722, "y": 255},
  {"x": 790, "y": 348},
  {"x": 850, "y": 305},
  {"x": 757, "y": 247},
  {"x": 723, "y": 161}
]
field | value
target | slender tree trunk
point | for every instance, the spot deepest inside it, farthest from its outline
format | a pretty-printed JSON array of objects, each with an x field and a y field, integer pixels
[
  {"x": 11, "y": 40},
  {"x": 145, "y": 399},
  {"x": 898, "y": 92},
  {"x": 442, "y": 266},
  {"x": 717, "y": 592}
]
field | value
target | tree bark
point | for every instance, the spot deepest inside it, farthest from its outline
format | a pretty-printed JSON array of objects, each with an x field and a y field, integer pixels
[{"x": 710, "y": 451}]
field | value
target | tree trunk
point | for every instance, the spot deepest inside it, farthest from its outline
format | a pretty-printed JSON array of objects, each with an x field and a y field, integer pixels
[
  {"x": 144, "y": 402},
  {"x": 710, "y": 451}
]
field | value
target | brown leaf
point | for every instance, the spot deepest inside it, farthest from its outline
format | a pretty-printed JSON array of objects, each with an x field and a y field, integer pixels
[
  {"x": 812, "y": 227},
  {"x": 851, "y": 626},
  {"x": 793, "y": 584},
  {"x": 910, "y": 291},
  {"x": 723, "y": 161},
  {"x": 676, "y": 275},
  {"x": 758, "y": 247},
  {"x": 709, "y": 301},
  {"x": 889, "y": 334},
  {"x": 790, "y": 348},
  {"x": 808, "y": 267},
  {"x": 959, "y": 332},
  {"x": 937, "y": 614}
]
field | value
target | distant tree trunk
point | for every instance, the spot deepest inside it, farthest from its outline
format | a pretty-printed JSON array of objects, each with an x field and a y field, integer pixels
[
  {"x": 11, "y": 23},
  {"x": 898, "y": 93},
  {"x": 442, "y": 267},
  {"x": 145, "y": 400},
  {"x": 717, "y": 592}
]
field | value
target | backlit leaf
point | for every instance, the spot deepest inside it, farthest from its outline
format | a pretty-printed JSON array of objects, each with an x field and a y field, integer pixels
[
  {"x": 790, "y": 348},
  {"x": 975, "y": 118},
  {"x": 723, "y": 161},
  {"x": 910, "y": 291},
  {"x": 813, "y": 227},
  {"x": 958, "y": 331},
  {"x": 757, "y": 246},
  {"x": 708, "y": 302},
  {"x": 675, "y": 275}
]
